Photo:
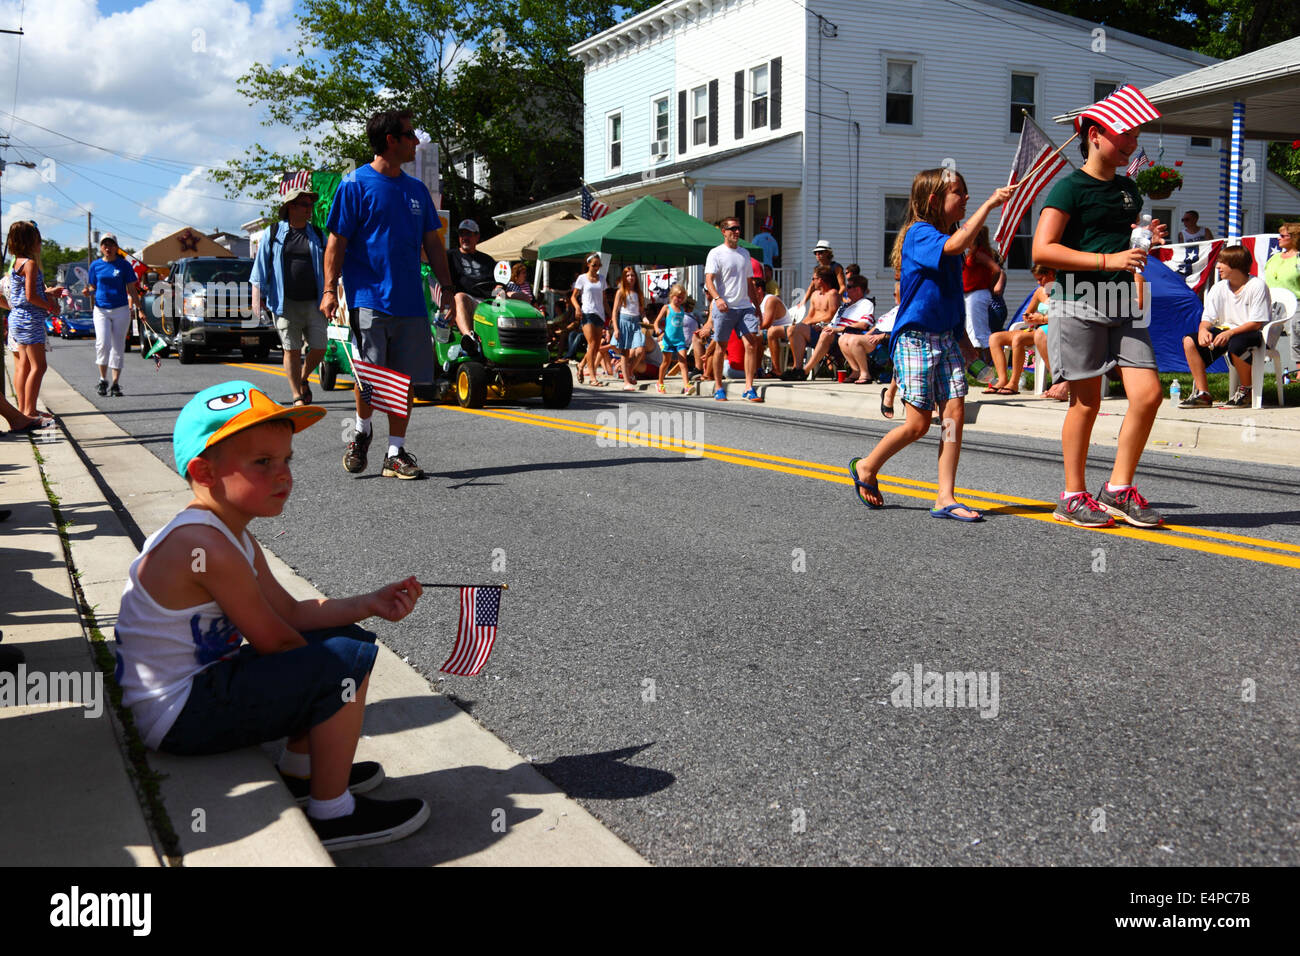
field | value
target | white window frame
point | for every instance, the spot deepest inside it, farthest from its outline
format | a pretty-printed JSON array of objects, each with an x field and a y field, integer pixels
[
  {"x": 610, "y": 117},
  {"x": 904, "y": 198},
  {"x": 666, "y": 98},
  {"x": 916, "y": 62},
  {"x": 754, "y": 98},
  {"x": 1011, "y": 89},
  {"x": 699, "y": 135}
]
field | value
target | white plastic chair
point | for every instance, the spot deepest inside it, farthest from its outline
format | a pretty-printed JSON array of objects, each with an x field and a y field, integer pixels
[
  {"x": 1284, "y": 310},
  {"x": 1040, "y": 367}
]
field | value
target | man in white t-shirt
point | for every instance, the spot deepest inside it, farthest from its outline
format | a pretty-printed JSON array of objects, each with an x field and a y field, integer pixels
[
  {"x": 1236, "y": 308},
  {"x": 729, "y": 279}
]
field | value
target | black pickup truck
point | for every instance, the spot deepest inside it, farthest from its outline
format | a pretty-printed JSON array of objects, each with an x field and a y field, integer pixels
[{"x": 205, "y": 305}]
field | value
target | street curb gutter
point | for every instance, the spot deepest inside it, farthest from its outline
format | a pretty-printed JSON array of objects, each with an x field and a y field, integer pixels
[{"x": 490, "y": 807}]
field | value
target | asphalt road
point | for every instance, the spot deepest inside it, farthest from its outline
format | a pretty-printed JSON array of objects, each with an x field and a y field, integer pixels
[{"x": 708, "y": 651}]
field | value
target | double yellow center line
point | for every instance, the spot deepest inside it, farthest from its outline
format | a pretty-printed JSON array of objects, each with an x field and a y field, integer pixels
[{"x": 1261, "y": 550}]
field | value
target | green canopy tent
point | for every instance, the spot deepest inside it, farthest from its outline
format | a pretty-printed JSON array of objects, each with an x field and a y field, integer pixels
[{"x": 648, "y": 231}]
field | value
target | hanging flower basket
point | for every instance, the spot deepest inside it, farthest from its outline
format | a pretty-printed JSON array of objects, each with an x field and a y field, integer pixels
[{"x": 1159, "y": 182}]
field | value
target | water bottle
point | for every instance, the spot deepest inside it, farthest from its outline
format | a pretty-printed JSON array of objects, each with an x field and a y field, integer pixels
[
  {"x": 1175, "y": 392},
  {"x": 1141, "y": 237},
  {"x": 441, "y": 327}
]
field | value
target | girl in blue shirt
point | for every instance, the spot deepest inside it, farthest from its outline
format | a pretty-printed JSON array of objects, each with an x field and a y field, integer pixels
[{"x": 928, "y": 362}]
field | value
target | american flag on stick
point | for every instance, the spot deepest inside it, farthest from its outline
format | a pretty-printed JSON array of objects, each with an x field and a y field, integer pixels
[
  {"x": 1037, "y": 162},
  {"x": 1136, "y": 163},
  {"x": 299, "y": 180},
  {"x": 382, "y": 388},
  {"x": 592, "y": 208},
  {"x": 475, "y": 632}
]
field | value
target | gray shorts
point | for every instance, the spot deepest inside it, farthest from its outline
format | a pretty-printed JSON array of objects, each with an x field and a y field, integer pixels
[
  {"x": 1082, "y": 343},
  {"x": 301, "y": 321},
  {"x": 398, "y": 342},
  {"x": 734, "y": 319}
]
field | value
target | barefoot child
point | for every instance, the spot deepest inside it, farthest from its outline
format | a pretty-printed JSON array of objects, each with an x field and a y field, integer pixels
[
  {"x": 928, "y": 361},
  {"x": 1083, "y": 233},
  {"x": 201, "y": 585},
  {"x": 30, "y": 303},
  {"x": 670, "y": 323}
]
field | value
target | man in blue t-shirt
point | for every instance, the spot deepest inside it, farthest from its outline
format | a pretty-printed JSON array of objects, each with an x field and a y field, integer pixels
[{"x": 380, "y": 220}]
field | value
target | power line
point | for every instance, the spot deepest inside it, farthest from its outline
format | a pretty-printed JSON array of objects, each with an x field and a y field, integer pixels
[{"x": 18, "y": 59}]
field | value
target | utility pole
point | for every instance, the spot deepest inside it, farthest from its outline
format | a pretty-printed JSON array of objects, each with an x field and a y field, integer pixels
[{"x": 87, "y": 242}]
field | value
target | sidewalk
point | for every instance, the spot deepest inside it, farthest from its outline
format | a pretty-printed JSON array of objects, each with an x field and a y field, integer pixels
[
  {"x": 66, "y": 784},
  {"x": 1269, "y": 435}
]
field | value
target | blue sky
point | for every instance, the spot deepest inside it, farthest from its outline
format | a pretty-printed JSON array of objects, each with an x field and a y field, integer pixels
[{"x": 152, "y": 84}]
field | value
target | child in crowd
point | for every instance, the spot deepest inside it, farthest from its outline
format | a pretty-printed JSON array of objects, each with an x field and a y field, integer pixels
[
  {"x": 1237, "y": 307},
  {"x": 670, "y": 323},
  {"x": 1083, "y": 233},
  {"x": 201, "y": 586},
  {"x": 1020, "y": 340},
  {"x": 627, "y": 311},
  {"x": 30, "y": 304},
  {"x": 588, "y": 301},
  {"x": 924, "y": 342}
]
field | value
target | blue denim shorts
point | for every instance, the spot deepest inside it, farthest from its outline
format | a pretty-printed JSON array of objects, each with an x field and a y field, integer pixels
[{"x": 251, "y": 698}]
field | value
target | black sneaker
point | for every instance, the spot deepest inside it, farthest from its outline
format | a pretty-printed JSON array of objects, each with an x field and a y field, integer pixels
[
  {"x": 402, "y": 465},
  {"x": 372, "y": 822},
  {"x": 354, "y": 459},
  {"x": 1240, "y": 398},
  {"x": 115, "y": 391},
  {"x": 101, "y": 388},
  {"x": 1129, "y": 506},
  {"x": 1082, "y": 510},
  {"x": 1197, "y": 400},
  {"x": 365, "y": 776}
]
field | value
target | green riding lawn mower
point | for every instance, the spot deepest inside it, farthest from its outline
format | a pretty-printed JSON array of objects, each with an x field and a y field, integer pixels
[{"x": 506, "y": 359}]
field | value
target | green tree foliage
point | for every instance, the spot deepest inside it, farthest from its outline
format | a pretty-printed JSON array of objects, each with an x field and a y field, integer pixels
[{"x": 494, "y": 77}]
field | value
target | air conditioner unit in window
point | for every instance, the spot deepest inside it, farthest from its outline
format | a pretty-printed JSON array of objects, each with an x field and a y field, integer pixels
[{"x": 659, "y": 148}]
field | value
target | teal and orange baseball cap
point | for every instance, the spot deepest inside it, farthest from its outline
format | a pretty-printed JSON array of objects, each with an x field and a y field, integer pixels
[{"x": 220, "y": 411}]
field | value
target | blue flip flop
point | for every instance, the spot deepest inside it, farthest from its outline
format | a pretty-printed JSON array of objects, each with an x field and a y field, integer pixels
[
  {"x": 948, "y": 512},
  {"x": 859, "y": 484}
]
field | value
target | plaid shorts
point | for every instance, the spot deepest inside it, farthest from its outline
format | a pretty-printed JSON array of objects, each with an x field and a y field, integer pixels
[{"x": 929, "y": 367}]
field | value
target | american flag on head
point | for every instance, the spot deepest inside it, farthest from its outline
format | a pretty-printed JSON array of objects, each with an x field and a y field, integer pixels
[
  {"x": 299, "y": 180},
  {"x": 475, "y": 632},
  {"x": 1035, "y": 165},
  {"x": 382, "y": 388},
  {"x": 1136, "y": 163},
  {"x": 1121, "y": 111},
  {"x": 592, "y": 208}
]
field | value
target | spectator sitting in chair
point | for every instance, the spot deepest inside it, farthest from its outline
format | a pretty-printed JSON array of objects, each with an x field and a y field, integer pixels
[
  {"x": 855, "y": 316},
  {"x": 1236, "y": 308},
  {"x": 1020, "y": 340},
  {"x": 774, "y": 325},
  {"x": 823, "y": 302},
  {"x": 519, "y": 287},
  {"x": 859, "y": 338}
]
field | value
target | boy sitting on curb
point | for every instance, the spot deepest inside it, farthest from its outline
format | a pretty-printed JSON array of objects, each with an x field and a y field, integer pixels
[{"x": 201, "y": 585}]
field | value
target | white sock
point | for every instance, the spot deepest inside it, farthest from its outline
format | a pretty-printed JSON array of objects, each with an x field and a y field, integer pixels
[
  {"x": 295, "y": 764},
  {"x": 1115, "y": 488},
  {"x": 395, "y": 445},
  {"x": 1067, "y": 495},
  {"x": 340, "y": 806},
  {"x": 363, "y": 425}
]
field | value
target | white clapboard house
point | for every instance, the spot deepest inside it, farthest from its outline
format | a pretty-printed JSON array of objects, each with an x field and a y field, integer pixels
[{"x": 819, "y": 113}]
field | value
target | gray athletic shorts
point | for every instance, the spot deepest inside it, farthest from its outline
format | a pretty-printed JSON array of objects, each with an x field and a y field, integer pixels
[
  {"x": 744, "y": 321},
  {"x": 398, "y": 342},
  {"x": 1082, "y": 343}
]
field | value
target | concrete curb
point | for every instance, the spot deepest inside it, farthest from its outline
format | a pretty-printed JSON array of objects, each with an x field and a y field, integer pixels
[{"x": 428, "y": 746}]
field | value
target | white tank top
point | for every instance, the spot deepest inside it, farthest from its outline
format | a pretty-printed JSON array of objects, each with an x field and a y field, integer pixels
[
  {"x": 630, "y": 311},
  {"x": 160, "y": 650}
]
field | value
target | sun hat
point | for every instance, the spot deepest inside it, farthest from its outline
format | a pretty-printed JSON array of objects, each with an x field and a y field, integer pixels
[
  {"x": 822, "y": 246},
  {"x": 294, "y": 193},
  {"x": 220, "y": 411}
]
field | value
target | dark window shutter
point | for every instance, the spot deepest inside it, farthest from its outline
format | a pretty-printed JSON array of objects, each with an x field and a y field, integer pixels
[
  {"x": 681, "y": 121},
  {"x": 740, "y": 212},
  {"x": 740, "y": 104},
  {"x": 775, "y": 207},
  {"x": 713, "y": 112},
  {"x": 774, "y": 88}
]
